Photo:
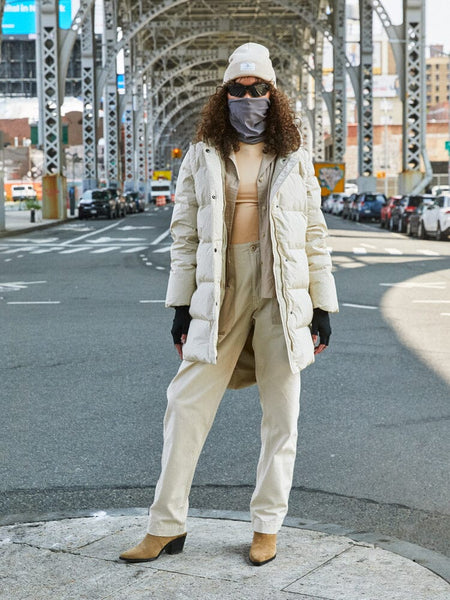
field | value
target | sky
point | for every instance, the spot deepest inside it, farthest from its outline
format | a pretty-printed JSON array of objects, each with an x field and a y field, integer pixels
[{"x": 437, "y": 19}]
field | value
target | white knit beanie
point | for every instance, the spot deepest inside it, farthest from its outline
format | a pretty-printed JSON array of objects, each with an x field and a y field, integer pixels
[{"x": 250, "y": 60}]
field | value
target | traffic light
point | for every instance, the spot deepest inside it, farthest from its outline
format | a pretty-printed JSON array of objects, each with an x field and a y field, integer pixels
[{"x": 177, "y": 153}]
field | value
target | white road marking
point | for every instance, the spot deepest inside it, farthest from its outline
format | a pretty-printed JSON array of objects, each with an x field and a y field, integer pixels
[
  {"x": 359, "y": 250},
  {"x": 17, "y": 285},
  {"x": 130, "y": 227},
  {"x": 428, "y": 252},
  {"x": 161, "y": 237},
  {"x": 73, "y": 250},
  {"x": 152, "y": 301},
  {"x": 8, "y": 259},
  {"x": 97, "y": 231},
  {"x": 160, "y": 268},
  {"x": 161, "y": 250},
  {"x": 138, "y": 249},
  {"x": 37, "y": 302},
  {"x": 103, "y": 250},
  {"x": 436, "y": 285},
  {"x": 14, "y": 250},
  {"x": 360, "y": 306},
  {"x": 43, "y": 250},
  {"x": 393, "y": 251},
  {"x": 369, "y": 246}
]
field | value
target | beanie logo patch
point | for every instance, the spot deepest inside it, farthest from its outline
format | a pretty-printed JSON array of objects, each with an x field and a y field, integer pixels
[{"x": 248, "y": 67}]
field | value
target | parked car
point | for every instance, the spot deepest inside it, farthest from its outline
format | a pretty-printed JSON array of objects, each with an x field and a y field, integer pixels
[
  {"x": 23, "y": 191},
  {"x": 368, "y": 206},
  {"x": 97, "y": 203},
  {"x": 338, "y": 204},
  {"x": 402, "y": 212},
  {"x": 327, "y": 204},
  {"x": 435, "y": 220},
  {"x": 120, "y": 204},
  {"x": 347, "y": 208},
  {"x": 132, "y": 200},
  {"x": 412, "y": 225},
  {"x": 386, "y": 210}
]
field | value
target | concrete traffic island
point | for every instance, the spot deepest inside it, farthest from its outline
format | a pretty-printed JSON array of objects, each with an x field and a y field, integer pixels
[{"x": 71, "y": 559}]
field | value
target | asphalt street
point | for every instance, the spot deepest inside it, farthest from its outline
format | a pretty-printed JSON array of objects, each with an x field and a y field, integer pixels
[{"x": 87, "y": 355}]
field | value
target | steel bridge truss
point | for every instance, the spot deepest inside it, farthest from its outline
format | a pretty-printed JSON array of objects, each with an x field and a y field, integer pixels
[{"x": 174, "y": 55}]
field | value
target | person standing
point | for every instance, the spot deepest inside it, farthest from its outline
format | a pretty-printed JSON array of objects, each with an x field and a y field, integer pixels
[{"x": 252, "y": 288}]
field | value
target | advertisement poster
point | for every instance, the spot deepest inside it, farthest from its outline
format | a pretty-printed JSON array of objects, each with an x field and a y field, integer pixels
[
  {"x": 19, "y": 18},
  {"x": 331, "y": 177}
]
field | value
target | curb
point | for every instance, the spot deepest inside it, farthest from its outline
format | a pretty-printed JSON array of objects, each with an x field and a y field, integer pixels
[
  {"x": 12, "y": 232},
  {"x": 429, "y": 559}
]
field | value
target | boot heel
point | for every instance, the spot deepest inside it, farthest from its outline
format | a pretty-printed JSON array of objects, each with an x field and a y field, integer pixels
[{"x": 175, "y": 546}]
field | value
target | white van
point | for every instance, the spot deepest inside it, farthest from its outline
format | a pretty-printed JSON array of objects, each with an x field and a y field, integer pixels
[
  {"x": 23, "y": 191},
  {"x": 161, "y": 188}
]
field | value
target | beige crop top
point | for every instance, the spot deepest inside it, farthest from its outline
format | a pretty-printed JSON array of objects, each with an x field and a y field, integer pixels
[{"x": 246, "y": 213}]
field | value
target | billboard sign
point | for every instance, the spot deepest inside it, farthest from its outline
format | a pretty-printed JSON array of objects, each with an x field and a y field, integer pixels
[
  {"x": 331, "y": 177},
  {"x": 19, "y": 17}
]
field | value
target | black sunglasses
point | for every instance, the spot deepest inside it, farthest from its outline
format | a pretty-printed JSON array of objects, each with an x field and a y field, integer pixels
[{"x": 256, "y": 89}]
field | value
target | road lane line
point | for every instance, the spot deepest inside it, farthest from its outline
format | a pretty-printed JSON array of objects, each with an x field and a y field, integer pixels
[
  {"x": 37, "y": 302},
  {"x": 435, "y": 285},
  {"x": 73, "y": 250},
  {"x": 152, "y": 301},
  {"x": 82, "y": 237},
  {"x": 370, "y": 246},
  {"x": 393, "y": 251},
  {"x": 161, "y": 237},
  {"x": 43, "y": 250},
  {"x": 103, "y": 250},
  {"x": 428, "y": 252},
  {"x": 160, "y": 250},
  {"x": 360, "y": 306},
  {"x": 14, "y": 250},
  {"x": 138, "y": 249},
  {"x": 359, "y": 251}
]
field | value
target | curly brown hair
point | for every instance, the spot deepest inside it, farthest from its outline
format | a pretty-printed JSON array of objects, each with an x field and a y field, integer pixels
[{"x": 282, "y": 135}]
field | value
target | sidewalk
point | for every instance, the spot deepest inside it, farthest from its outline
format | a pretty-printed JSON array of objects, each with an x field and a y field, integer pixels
[
  {"x": 19, "y": 221},
  {"x": 71, "y": 559}
]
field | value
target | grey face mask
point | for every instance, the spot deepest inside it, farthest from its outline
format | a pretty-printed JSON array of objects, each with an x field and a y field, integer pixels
[{"x": 248, "y": 117}]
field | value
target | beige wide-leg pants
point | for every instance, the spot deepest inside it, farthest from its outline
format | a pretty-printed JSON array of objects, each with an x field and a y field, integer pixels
[{"x": 195, "y": 393}]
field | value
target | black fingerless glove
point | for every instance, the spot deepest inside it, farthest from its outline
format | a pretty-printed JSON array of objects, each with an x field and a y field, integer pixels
[
  {"x": 321, "y": 325},
  {"x": 180, "y": 323}
]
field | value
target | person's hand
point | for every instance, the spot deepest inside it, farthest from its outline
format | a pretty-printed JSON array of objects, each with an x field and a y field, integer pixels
[
  {"x": 180, "y": 327},
  {"x": 320, "y": 326}
]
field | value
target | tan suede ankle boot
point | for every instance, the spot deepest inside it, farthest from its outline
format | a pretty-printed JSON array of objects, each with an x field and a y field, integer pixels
[
  {"x": 152, "y": 546},
  {"x": 264, "y": 548}
]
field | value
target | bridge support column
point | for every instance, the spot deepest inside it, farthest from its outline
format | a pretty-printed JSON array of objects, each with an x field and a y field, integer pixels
[
  {"x": 88, "y": 79},
  {"x": 366, "y": 180},
  {"x": 54, "y": 199},
  {"x": 339, "y": 121}
]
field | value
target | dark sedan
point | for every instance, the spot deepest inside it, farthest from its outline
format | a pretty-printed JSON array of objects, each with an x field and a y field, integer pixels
[{"x": 96, "y": 203}]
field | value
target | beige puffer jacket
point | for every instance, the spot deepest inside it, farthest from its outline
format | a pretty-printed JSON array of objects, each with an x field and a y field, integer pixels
[{"x": 302, "y": 264}]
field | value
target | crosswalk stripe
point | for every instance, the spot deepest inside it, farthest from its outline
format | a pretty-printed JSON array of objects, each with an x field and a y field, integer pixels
[
  {"x": 43, "y": 250},
  {"x": 137, "y": 249},
  {"x": 103, "y": 250},
  {"x": 73, "y": 250},
  {"x": 428, "y": 252}
]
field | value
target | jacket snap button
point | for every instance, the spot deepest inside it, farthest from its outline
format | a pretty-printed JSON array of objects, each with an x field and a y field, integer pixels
[
  {"x": 207, "y": 150},
  {"x": 213, "y": 197}
]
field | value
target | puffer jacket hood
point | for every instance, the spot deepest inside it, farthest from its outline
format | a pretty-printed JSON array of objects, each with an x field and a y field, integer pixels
[{"x": 302, "y": 263}]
